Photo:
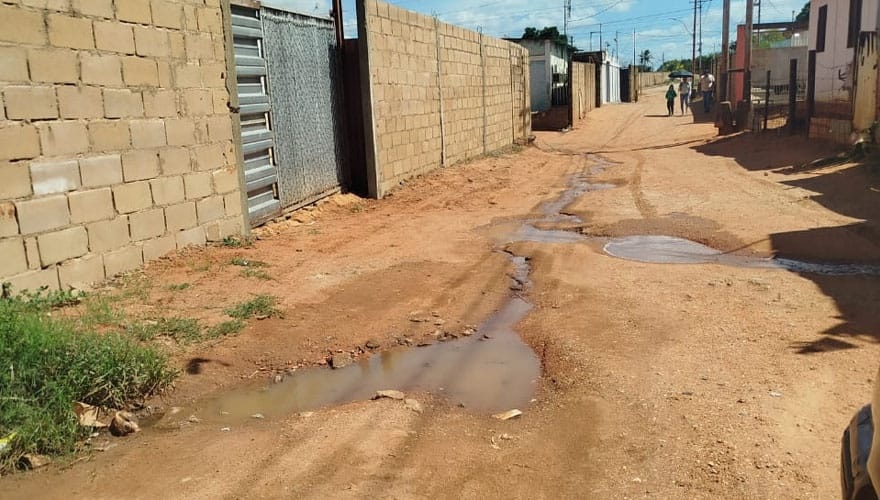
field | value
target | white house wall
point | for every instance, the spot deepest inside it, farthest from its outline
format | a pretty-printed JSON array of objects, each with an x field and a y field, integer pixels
[{"x": 540, "y": 84}]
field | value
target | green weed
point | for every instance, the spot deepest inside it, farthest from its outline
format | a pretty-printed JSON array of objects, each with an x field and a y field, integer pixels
[
  {"x": 177, "y": 287},
  {"x": 182, "y": 330},
  {"x": 261, "y": 306},
  {"x": 256, "y": 273},
  {"x": 237, "y": 242},
  {"x": 225, "y": 329},
  {"x": 243, "y": 262}
]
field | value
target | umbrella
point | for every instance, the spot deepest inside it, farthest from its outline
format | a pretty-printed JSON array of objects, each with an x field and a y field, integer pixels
[{"x": 680, "y": 73}]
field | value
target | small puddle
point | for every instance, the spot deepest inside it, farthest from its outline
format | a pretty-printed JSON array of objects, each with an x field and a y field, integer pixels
[
  {"x": 490, "y": 371},
  {"x": 671, "y": 250}
]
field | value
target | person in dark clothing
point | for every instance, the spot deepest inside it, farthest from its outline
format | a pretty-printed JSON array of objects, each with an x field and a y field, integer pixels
[{"x": 670, "y": 99}]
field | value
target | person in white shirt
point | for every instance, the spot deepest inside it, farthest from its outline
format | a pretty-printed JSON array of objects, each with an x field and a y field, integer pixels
[
  {"x": 707, "y": 88},
  {"x": 684, "y": 92}
]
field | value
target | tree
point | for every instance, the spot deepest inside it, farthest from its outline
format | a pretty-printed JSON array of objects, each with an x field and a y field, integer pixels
[
  {"x": 645, "y": 59},
  {"x": 547, "y": 33},
  {"x": 804, "y": 15}
]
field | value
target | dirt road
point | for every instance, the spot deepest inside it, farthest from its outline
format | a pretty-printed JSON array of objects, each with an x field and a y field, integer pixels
[{"x": 729, "y": 377}]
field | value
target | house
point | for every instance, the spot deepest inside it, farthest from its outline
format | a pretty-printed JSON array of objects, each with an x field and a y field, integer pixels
[
  {"x": 608, "y": 73},
  {"x": 548, "y": 69},
  {"x": 843, "y": 39},
  {"x": 774, "y": 46}
]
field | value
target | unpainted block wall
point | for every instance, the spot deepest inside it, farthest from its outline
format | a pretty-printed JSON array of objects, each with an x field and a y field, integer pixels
[
  {"x": 439, "y": 94},
  {"x": 583, "y": 90},
  {"x": 115, "y": 136}
]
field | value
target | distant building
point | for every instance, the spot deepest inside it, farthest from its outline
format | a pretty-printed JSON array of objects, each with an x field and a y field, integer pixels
[
  {"x": 774, "y": 46},
  {"x": 607, "y": 75},
  {"x": 548, "y": 67}
]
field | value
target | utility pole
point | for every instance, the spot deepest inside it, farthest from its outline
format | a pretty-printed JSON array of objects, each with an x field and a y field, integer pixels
[
  {"x": 758, "y": 4},
  {"x": 566, "y": 17},
  {"x": 747, "y": 63},
  {"x": 617, "y": 46},
  {"x": 634, "y": 47},
  {"x": 694, "y": 41},
  {"x": 700, "y": 46},
  {"x": 600, "y": 37},
  {"x": 725, "y": 51}
]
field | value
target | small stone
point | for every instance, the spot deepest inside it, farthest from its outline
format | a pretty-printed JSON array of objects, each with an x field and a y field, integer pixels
[
  {"x": 258, "y": 416},
  {"x": 389, "y": 394},
  {"x": 412, "y": 404},
  {"x": 35, "y": 461},
  {"x": 340, "y": 360},
  {"x": 306, "y": 414},
  {"x": 439, "y": 322},
  {"x": 193, "y": 419},
  {"x": 508, "y": 414},
  {"x": 279, "y": 378},
  {"x": 225, "y": 429},
  {"x": 123, "y": 424},
  {"x": 774, "y": 394},
  {"x": 372, "y": 344}
]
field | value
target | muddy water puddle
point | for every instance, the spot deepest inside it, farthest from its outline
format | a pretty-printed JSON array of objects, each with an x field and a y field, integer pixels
[{"x": 671, "y": 250}]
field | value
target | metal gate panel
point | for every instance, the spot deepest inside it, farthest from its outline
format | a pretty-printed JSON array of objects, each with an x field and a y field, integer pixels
[
  {"x": 303, "y": 64},
  {"x": 257, "y": 139}
]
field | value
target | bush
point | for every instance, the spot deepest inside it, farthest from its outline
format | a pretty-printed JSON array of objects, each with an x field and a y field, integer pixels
[{"x": 47, "y": 364}]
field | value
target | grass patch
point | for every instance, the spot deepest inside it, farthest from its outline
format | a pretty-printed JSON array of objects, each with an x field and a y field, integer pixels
[
  {"x": 183, "y": 330},
  {"x": 225, "y": 329},
  {"x": 178, "y": 287},
  {"x": 261, "y": 306},
  {"x": 237, "y": 242},
  {"x": 243, "y": 262},
  {"x": 48, "y": 363},
  {"x": 256, "y": 273}
]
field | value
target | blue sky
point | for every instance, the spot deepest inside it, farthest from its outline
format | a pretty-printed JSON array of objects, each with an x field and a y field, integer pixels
[{"x": 663, "y": 27}]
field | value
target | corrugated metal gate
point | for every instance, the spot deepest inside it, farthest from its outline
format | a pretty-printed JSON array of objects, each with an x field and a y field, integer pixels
[
  {"x": 261, "y": 176},
  {"x": 287, "y": 69}
]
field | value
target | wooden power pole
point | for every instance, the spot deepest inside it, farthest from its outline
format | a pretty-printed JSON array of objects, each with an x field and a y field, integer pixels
[
  {"x": 725, "y": 53},
  {"x": 694, "y": 41},
  {"x": 747, "y": 63}
]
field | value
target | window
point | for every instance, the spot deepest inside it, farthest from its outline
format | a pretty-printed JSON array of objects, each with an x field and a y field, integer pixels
[
  {"x": 820, "y": 28},
  {"x": 855, "y": 23}
]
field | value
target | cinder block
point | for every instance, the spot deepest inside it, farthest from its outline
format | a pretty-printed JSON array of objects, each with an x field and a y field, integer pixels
[
  {"x": 34, "y": 280},
  {"x": 54, "y": 176},
  {"x": 109, "y": 135},
  {"x": 191, "y": 22},
  {"x": 18, "y": 25},
  {"x": 13, "y": 64},
  {"x": 147, "y": 134},
  {"x": 14, "y": 260},
  {"x": 33, "y": 252},
  {"x": 149, "y": 41},
  {"x": 19, "y": 142},
  {"x": 92, "y": 205},
  {"x": 167, "y": 14},
  {"x": 114, "y": 37},
  {"x": 42, "y": 214},
  {"x": 198, "y": 185},
  {"x": 191, "y": 237},
  {"x": 174, "y": 161},
  {"x": 209, "y": 20},
  {"x": 198, "y": 46},
  {"x": 132, "y": 197},
  {"x": 80, "y": 102},
  {"x": 214, "y": 75},
  {"x": 15, "y": 180},
  {"x": 210, "y": 209},
  {"x": 80, "y": 273},
  {"x": 123, "y": 103},
  {"x": 232, "y": 202},
  {"x": 101, "y": 170},
  {"x": 30, "y": 103},
  {"x": 198, "y": 102},
  {"x": 94, "y": 8},
  {"x": 217, "y": 231},
  {"x": 140, "y": 165},
  {"x": 178, "y": 46},
  {"x": 181, "y": 216},
  {"x": 148, "y": 224},
  {"x": 63, "y": 138},
  {"x": 158, "y": 247},
  {"x": 134, "y": 11},
  {"x": 8, "y": 223},
  {"x": 221, "y": 101},
  {"x": 180, "y": 131},
  {"x": 160, "y": 103},
  {"x": 187, "y": 75},
  {"x": 123, "y": 260},
  {"x": 226, "y": 180},
  {"x": 167, "y": 190},
  {"x": 108, "y": 235},
  {"x": 71, "y": 32},
  {"x": 164, "y": 69},
  {"x": 220, "y": 128},
  {"x": 101, "y": 69},
  {"x": 137, "y": 71},
  {"x": 53, "y": 65},
  {"x": 63, "y": 245},
  {"x": 209, "y": 157}
]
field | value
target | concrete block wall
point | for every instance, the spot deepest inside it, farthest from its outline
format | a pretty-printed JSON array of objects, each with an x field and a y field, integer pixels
[
  {"x": 436, "y": 94},
  {"x": 115, "y": 136},
  {"x": 583, "y": 90}
]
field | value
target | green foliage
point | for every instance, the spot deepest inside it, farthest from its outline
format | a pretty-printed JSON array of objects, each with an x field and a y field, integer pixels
[
  {"x": 177, "y": 287},
  {"x": 547, "y": 33},
  {"x": 261, "y": 306},
  {"x": 256, "y": 273},
  {"x": 225, "y": 328},
  {"x": 243, "y": 262},
  {"x": 183, "y": 330},
  {"x": 804, "y": 15},
  {"x": 237, "y": 242},
  {"x": 47, "y": 364}
]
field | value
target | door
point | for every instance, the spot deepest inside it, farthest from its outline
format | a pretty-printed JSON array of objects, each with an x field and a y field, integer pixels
[{"x": 257, "y": 138}]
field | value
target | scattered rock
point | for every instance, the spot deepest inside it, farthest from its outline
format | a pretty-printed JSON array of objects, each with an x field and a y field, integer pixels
[
  {"x": 506, "y": 437},
  {"x": 88, "y": 415},
  {"x": 774, "y": 394},
  {"x": 258, "y": 416},
  {"x": 508, "y": 414},
  {"x": 486, "y": 336},
  {"x": 279, "y": 378},
  {"x": 225, "y": 429},
  {"x": 425, "y": 343},
  {"x": 390, "y": 395},
  {"x": 439, "y": 322},
  {"x": 467, "y": 332},
  {"x": 340, "y": 360},
  {"x": 373, "y": 344},
  {"x": 306, "y": 414},
  {"x": 123, "y": 424},
  {"x": 35, "y": 461},
  {"x": 412, "y": 404},
  {"x": 193, "y": 419}
]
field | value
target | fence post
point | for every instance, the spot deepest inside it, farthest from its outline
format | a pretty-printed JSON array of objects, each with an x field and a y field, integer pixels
[
  {"x": 483, "y": 67},
  {"x": 767, "y": 100},
  {"x": 440, "y": 89},
  {"x": 792, "y": 95}
]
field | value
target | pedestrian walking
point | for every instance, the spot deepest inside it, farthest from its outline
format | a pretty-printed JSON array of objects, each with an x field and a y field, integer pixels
[
  {"x": 670, "y": 99},
  {"x": 707, "y": 88},
  {"x": 684, "y": 93}
]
